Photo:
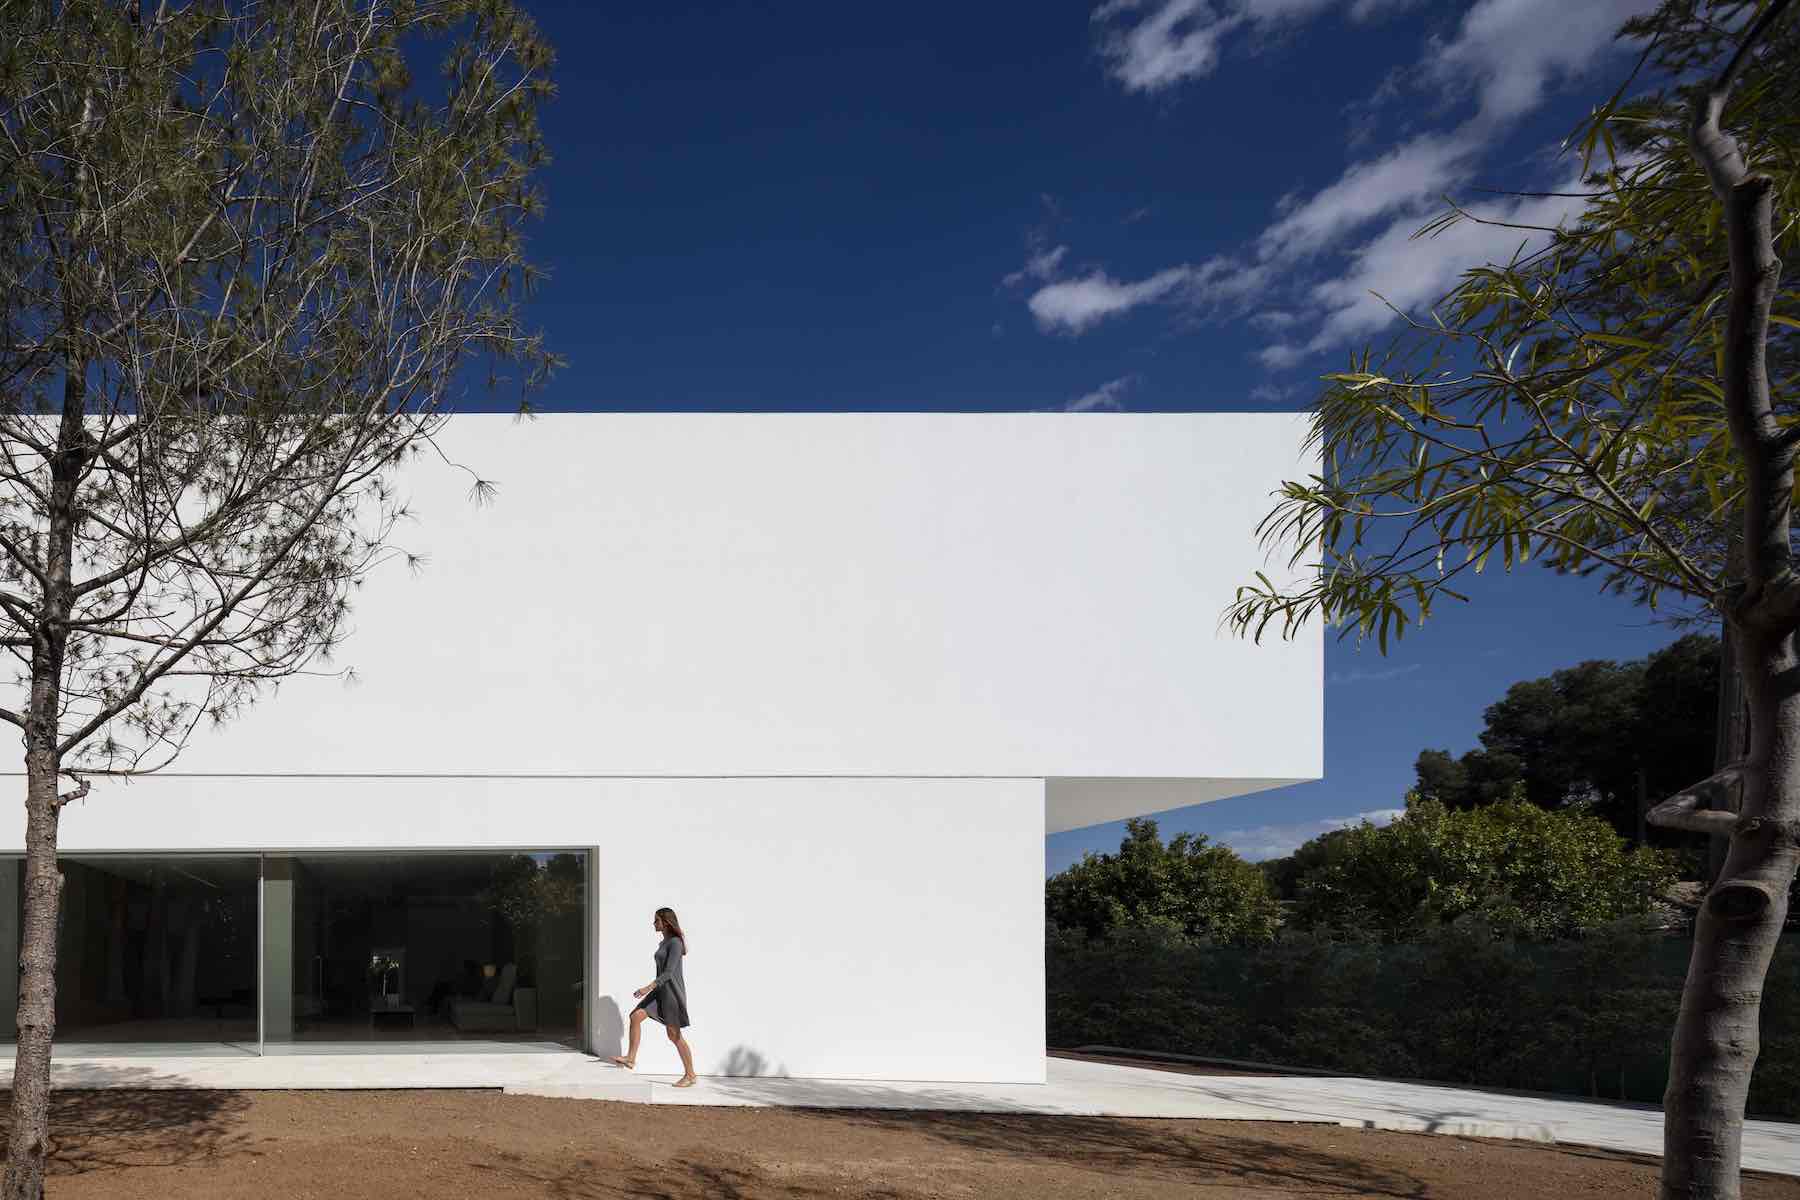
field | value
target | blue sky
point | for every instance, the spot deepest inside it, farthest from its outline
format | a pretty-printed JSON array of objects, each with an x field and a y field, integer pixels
[{"x": 1139, "y": 205}]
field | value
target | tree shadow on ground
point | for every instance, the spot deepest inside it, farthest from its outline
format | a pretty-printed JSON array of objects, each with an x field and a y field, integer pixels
[
  {"x": 676, "y": 1179},
  {"x": 1153, "y": 1150},
  {"x": 115, "y": 1128},
  {"x": 1143, "y": 1148},
  {"x": 694, "y": 1180}
]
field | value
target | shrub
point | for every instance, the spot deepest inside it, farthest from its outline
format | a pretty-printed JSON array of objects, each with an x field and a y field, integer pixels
[
  {"x": 1188, "y": 887},
  {"x": 1525, "y": 872}
]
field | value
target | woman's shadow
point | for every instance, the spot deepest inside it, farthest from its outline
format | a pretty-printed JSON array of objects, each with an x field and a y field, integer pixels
[{"x": 608, "y": 1027}]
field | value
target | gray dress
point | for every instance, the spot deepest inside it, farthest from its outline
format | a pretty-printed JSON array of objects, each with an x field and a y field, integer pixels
[{"x": 667, "y": 1001}]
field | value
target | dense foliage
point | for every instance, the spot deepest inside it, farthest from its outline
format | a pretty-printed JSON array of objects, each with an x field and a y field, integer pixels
[
  {"x": 1188, "y": 887},
  {"x": 1285, "y": 874},
  {"x": 1583, "y": 735},
  {"x": 1527, "y": 872},
  {"x": 1523, "y": 870}
]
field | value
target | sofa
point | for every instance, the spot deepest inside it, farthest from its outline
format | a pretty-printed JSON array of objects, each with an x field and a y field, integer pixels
[{"x": 490, "y": 1012}]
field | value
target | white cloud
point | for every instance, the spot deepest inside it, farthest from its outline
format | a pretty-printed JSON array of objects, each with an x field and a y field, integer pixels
[
  {"x": 1273, "y": 318},
  {"x": 1510, "y": 51},
  {"x": 1077, "y": 305},
  {"x": 1275, "y": 12},
  {"x": 1339, "y": 678},
  {"x": 1040, "y": 267},
  {"x": 1278, "y": 841},
  {"x": 1411, "y": 273},
  {"x": 1150, "y": 45},
  {"x": 1354, "y": 235},
  {"x": 1176, "y": 40},
  {"x": 1417, "y": 171},
  {"x": 1279, "y": 356},
  {"x": 1104, "y": 398},
  {"x": 1269, "y": 393}
]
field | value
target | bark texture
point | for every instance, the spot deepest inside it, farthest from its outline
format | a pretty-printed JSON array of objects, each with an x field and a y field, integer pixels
[
  {"x": 1716, "y": 1035},
  {"x": 28, "y": 1141},
  {"x": 28, "y": 1144}
]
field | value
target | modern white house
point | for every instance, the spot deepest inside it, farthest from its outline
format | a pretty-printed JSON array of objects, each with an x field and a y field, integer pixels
[{"x": 820, "y": 682}]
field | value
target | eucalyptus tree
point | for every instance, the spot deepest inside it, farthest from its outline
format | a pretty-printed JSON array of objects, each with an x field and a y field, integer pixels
[
  {"x": 245, "y": 266},
  {"x": 1603, "y": 402}
]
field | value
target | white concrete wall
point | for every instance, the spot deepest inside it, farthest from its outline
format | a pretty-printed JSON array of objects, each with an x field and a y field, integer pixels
[
  {"x": 1018, "y": 595},
  {"x": 841, "y": 928},
  {"x": 800, "y": 676}
]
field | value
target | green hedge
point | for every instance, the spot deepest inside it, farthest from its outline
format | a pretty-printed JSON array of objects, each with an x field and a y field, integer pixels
[{"x": 1589, "y": 1017}]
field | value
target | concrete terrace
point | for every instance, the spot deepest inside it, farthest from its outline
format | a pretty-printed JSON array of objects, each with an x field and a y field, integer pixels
[{"x": 1074, "y": 1088}]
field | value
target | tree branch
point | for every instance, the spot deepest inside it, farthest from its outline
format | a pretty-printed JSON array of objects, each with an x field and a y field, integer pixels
[
  {"x": 1755, "y": 271},
  {"x": 1707, "y": 807},
  {"x": 1788, "y": 440},
  {"x": 80, "y": 793}
]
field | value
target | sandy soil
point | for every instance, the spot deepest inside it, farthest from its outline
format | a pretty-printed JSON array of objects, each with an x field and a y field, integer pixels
[{"x": 209, "y": 1145}]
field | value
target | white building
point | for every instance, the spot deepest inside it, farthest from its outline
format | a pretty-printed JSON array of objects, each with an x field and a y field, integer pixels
[{"x": 821, "y": 683}]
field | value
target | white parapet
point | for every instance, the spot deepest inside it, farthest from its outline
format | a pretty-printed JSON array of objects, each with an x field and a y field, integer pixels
[{"x": 974, "y": 595}]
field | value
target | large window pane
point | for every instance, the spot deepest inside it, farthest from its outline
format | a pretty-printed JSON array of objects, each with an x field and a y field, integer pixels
[
  {"x": 405, "y": 951},
  {"x": 149, "y": 950}
]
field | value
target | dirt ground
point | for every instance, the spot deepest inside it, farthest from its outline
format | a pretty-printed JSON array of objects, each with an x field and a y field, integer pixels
[{"x": 210, "y": 1145}]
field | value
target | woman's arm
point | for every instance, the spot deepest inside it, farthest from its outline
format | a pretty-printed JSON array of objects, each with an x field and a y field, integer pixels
[{"x": 676, "y": 949}]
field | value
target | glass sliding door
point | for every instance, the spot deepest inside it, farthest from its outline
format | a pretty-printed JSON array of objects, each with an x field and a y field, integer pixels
[
  {"x": 152, "y": 951},
  {"x": 441, "y": 951},
  {"x": 287, "y": 953}
]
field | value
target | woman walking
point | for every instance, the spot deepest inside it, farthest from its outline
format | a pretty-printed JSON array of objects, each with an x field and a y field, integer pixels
[{"x": 664, "y": 998}]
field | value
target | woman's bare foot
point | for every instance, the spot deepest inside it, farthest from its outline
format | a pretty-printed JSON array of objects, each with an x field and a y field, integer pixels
[
  {"x": 627, "y": 1063},
  {"x": 686, "y": 1081}
]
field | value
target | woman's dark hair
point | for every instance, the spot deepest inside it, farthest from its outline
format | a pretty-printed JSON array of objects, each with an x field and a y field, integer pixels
[{"x": 671, "y": 926}]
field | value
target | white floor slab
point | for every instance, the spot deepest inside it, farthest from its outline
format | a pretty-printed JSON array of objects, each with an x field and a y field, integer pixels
[{"x": 1073, "y": 1088}]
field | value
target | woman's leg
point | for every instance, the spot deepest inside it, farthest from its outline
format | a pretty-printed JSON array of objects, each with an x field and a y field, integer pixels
[
  {"x": 637, "y": 1031},
  {"x": 687, "y": 1057}
]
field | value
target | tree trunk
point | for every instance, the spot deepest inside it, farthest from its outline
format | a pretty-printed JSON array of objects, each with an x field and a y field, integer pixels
[
  {"x": 1716, "y": 1035},
  {"x": 28, "y": 1143},
  {"x": 1730, "y": 733}
]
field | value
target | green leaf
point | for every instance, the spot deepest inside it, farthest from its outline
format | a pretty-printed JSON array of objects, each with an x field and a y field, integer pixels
[{"x": 1613, "y": 339}]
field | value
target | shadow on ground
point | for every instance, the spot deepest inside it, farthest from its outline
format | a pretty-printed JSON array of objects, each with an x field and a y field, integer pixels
[
  {"x": 1150, "y": 1150},
  {"x": 118, "y": 1127},
  {"x": 995, "y": 1128},
  {"x": 677, "y": 1179}
]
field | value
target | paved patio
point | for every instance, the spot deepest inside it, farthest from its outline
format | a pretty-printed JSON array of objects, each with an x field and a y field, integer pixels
[{"x": 1074, "y": 1088}]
